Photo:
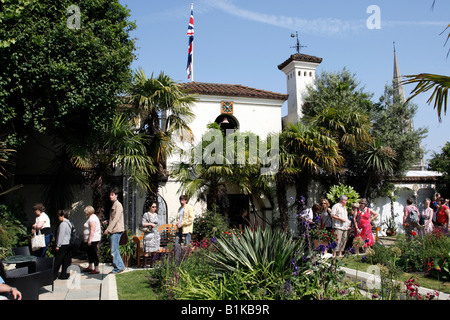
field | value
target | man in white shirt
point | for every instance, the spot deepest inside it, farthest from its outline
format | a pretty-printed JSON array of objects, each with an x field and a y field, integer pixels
[{"x": 341, "y": 224}]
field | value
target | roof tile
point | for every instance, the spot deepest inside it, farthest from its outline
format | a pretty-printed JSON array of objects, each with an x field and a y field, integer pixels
[{"x": 233, "y": 90}]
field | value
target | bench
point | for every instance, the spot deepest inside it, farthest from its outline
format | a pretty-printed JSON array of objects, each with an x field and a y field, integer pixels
[{"x": 167, "y": 234}]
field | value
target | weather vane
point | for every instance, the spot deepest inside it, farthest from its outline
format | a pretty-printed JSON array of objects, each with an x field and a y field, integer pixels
[{"x": 298, "y": 46}]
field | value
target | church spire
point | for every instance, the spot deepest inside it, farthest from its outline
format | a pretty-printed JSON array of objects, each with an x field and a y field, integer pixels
[
  {"x": 398, "y": 87},
  {"x": 398, "y": 91}
]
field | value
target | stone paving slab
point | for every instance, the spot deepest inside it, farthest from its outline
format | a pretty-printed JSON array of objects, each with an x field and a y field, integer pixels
[{"x": 80, "y": 285}]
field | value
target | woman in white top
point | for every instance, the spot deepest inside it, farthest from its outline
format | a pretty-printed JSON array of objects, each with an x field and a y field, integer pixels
[
  {"x": 426, "y": 217},
  {"x": 92, "y": 236},
  {"x": 341, "y": 224},
  {"x": 42, "y": 224}
]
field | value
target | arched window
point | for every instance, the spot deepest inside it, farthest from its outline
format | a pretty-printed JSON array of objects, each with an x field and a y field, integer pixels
[{"x": 227, "y": 122}]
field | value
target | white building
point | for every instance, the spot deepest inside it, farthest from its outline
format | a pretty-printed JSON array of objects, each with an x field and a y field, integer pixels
[{"x": 237, "y": 107}]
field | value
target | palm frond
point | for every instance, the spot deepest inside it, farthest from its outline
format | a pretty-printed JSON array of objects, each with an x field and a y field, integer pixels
[{"x": 427, "y": 81}]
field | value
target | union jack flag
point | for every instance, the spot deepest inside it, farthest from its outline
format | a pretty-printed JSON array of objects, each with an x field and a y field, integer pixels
[{"x": 190, "y": 34}]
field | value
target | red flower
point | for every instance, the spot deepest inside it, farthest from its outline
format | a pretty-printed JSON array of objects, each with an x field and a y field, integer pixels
[{"x": 414, "y": 233}]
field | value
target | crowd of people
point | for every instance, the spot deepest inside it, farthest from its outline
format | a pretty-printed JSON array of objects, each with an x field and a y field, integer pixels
[
  {"x": 355, "y": 227},
  {"x": 114, "y": 228},
  {"x": 346, "y": 226}
]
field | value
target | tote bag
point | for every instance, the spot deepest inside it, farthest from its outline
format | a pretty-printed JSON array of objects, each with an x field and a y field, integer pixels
[{"x": 37, "y": 241}]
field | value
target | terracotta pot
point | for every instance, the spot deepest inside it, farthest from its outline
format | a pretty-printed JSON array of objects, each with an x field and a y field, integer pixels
[
  {"x": 317, "y": 243},
  {"x": 391, "y": 233}
]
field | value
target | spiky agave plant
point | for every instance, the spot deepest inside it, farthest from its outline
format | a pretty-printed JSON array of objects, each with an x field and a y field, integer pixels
[{"x": 272, "y": 250}]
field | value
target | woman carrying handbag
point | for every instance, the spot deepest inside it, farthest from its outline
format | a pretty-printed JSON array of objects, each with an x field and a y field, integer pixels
[{"x": 41, "y": 229}]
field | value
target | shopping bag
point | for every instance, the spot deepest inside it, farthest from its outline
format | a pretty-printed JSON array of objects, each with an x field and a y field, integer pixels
[{"x": 37, "y": 241}]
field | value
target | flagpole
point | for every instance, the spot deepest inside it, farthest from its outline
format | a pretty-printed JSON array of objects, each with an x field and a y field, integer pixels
[
  {"x": 192, "y": 79},
  {"x": 190, "y": 33}
]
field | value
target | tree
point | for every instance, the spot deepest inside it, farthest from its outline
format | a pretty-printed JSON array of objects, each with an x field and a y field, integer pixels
[
  {"x": 441, "y": 162},
  {"x": 5, "y": 161},
  {"x": 392, "y": 124},
  {"x": 339, "y": 90},
  {"x": 209, "y": 169},
  {"x": 338, "y": 108},
  {"x": 305, "y": 152},
  {"x": 164, "y": 113},
  {"x": 117, "y": 146},
  {"x": 379, "y": 163},
  {"x": 58, "y": 80}
]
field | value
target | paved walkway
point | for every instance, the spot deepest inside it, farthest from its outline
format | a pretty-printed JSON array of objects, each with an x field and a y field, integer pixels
[{"x": 82, "y": 285}]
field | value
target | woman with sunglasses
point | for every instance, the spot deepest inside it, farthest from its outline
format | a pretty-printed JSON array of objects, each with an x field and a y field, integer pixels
[{"x": 151, "y": 237}]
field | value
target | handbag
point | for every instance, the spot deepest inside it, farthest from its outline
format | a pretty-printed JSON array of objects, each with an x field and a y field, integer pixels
[
  {"x": 123, "y": 238},
  {"x": 145, "y": 229},
  {"x": 37, "y": 241}
]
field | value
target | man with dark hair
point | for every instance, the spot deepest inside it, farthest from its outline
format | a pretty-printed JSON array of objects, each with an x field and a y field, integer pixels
[{"x": 116, "y": 227}]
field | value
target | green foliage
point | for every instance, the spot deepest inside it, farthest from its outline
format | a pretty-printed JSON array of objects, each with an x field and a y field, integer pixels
[
  {"x": 393, "y": 127},
  {"x": 436, "y": 82},
  {"x": 257, "y": 284},
  {"x": 428, "y": 253},
  {"x": 259, "y": 249},
  {"x": 337, "y": 190},
  {"x": 211, "y": 224},
  {"x": 316, "y": 278},
  {"x": 208, "y": 167},
  {"x": 12, "y": 231},
  {"x": 441, "y": 162},
  {"x": 338, "y": 89},
  {"x": 60, "y": 80}
]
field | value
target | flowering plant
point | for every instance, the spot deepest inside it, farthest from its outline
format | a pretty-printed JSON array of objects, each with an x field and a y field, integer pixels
[
  {"x": 412, "y": 290},
  {"x": 358, "y": 242},
  {"x": 322, "y": 235}
]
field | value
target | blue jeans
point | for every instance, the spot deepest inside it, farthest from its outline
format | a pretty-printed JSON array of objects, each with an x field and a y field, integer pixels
[
  {"x": 187, "y": 237},
  {"x": 117, "y": 259}
]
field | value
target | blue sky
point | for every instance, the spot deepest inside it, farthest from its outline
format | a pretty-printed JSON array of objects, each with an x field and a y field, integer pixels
[{"x": 243, "y": 42}]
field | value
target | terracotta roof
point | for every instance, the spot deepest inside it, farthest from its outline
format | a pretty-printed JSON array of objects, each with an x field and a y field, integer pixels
[
  {"x": 233, "y": 90},
  {"x": 300, "y": 57},
  {"x": 418, "y": 179}
]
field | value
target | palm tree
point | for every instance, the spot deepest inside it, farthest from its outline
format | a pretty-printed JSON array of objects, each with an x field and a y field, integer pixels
[
  {"x": 304, "y": 153},
  {"x": 379, "y": 162},
  {"x": 208, "y": 180},
  {"x": 426, "y": 82},
  {"x": 163, "y": 112},
  {"x": 118, "y": 146},
  {"x": 350, "y": 127}
]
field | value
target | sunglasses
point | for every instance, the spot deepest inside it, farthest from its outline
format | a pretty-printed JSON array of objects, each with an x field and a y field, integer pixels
[{"x": 153, "y": 206}]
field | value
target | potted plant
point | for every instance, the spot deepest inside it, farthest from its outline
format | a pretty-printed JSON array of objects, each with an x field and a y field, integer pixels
[
  {"x": 126, "y": 250},
  {"x": 391, "y": 226},
  {"x": 322, "y": 237}
]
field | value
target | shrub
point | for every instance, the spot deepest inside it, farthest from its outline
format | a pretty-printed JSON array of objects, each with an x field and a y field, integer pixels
[
  {"x": 262, "y": 248},
  {"x": 210, "y": 225},
  {"x": 12, "y": 231},
  {"x": 257, "y": 284},
  {"x": 337, "y": 190}
]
